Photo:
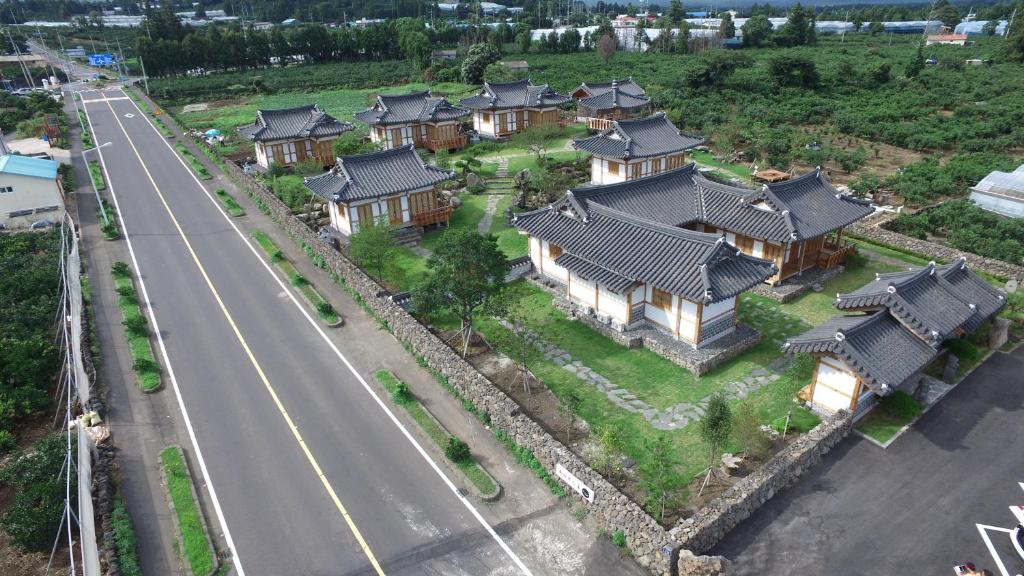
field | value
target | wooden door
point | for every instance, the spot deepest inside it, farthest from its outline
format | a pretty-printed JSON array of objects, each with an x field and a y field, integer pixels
[
  {"x": 365, "y": 213},
  {"x": 395, "y": 209},
  {"x": 396, "y": 138}
]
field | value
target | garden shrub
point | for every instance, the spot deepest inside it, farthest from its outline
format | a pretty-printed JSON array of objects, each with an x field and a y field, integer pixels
[
  {"x": 746, "y": 426},
  {"x": 121, "y": 270},
  {"x": 900, "y": 405},
  {"x": 35, "y": 475},
  {"x": 401, "y": 393},
  {"x": 964, "y": 350},
  {"x": 456, "y": 450},
  {"x": 137, "y": 325},
  {"x": 619, "y": 539}
]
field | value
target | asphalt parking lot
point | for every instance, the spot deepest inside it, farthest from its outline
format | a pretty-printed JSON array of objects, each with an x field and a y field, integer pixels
[{"x": 911, "y": 509}]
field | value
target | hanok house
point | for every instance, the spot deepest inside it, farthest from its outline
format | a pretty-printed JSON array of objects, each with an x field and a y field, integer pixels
[
  {"x": 632, "y": 149},
  {"x": 796, "y": 224},
  {"x": 600, "y": 103},
  {"x": 500, "y": 110},
  {"x": 904, "y": 319},
  {"x": 632, "y": 273},
  {"x": 291, "y": 135},
  {"x": 395, "y": 184},
  {"x": 419, "y": 119}
]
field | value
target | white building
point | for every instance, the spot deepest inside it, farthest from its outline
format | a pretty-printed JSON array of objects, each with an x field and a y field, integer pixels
[
  {"x": 30, "y": 193},
  {"x": 1001, "y": 192}
]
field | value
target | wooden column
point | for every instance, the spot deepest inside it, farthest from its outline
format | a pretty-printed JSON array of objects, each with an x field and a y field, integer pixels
[
  {"x": 800, "y": 272},
  {"x": 699, "y": 323}
]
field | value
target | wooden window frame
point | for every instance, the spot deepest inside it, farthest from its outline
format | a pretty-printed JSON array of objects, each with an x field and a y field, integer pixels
[
  {"x": 661, "y": 299},
  {"x": 613, "y": 167},
  {"x": 554, "y": 250}
]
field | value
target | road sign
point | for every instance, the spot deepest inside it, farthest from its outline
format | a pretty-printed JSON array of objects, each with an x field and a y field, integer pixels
[
  {"x": 574, "y": 483},
  {"x": 101, "y": 59}
]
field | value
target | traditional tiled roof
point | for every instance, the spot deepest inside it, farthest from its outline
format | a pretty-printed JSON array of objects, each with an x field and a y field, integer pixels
[
  {"x": 519, "y": 94},
  {"x": 933, "y": 301},
  {"x": 288, "y": 123},
  {"x": 616, "y": 249},
  {"x": 639, "y": 138},
  {"x": 625, "y": 86},
  {"x": 683, "y": 196},
  {"x": 877, "y": 347},
  {"x": 376, "y": 175},
  {"x": 420, "y": 107}
]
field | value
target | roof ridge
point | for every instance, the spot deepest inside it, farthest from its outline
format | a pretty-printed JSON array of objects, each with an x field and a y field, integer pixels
[
  {"x": 598, "y": 189},
  {"x": 658, "y": 227}
]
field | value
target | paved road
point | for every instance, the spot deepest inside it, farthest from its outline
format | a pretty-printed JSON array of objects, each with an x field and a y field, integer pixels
[
  {"x": 910, "y": 509},
  {"x": 256, "y": 377}
]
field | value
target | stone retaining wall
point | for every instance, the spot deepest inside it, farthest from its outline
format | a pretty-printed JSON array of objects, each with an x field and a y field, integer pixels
[
  {"x": 648, "y": 541},
  {"x": 712, "y": 522},
  {"x": 871, "y": 228}
]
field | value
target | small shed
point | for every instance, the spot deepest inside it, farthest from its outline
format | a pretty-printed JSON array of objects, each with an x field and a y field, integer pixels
[{"x": 516, "y": 65}]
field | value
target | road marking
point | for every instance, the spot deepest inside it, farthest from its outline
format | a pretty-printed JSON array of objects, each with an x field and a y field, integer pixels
[
  {"x": 366, "y": 386},
  {"x": 236, "y": 560},
  {"x": 982, "y": 528},
  {"x": 252, "y": 358}
]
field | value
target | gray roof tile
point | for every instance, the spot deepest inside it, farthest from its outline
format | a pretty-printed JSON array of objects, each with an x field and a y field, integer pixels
[
  {"x": 418, "y": 107},
  {"x": 683, "y": 197},
  {"x": 614, "y": 247},
  {"x": 376, "y": 175},
  {"x": 877, "y": 347},
  {"x": 933, "y": 301},
  {"x": 639, "y": 138},
  {"x": 625, "y": 86},
  {"x": 617, "y": 94},
  {"x": 519, "y": 94},
  {"x": 289, "y": 123}
]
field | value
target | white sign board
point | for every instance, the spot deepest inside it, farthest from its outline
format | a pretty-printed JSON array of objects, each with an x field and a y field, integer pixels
[{"x": 574, "y": 483}]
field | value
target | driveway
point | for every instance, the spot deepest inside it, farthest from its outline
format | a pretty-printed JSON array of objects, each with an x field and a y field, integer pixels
[{"x": 911, "y": 509}]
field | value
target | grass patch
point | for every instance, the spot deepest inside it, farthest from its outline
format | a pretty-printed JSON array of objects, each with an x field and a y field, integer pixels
[
  {"x": 125, "y": 540},
  {"x": 163, "y": 127},
  {"x": 97, "y": 175},
  {"x": 908, "y": 257},
  {"x": 194, "y": 162},
  {"x": 194, "y": 546},
  {"x": 83, "y": 124},
  {"x": 139, "y": 101},
  {"x": 399, "y": 392},
  {"x": 816, "y": 307},
  {"x": 229, "y": 203},
  {"x": 510, "y": 241},
  {"x": 323, "y": 308},
  {"x": 880, "y": 425},
  {"x": 708, "y": 159},
  {"x": 136, "y": 329}
]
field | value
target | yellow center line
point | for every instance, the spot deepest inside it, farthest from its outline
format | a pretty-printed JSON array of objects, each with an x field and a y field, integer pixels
[{"x": 252, "y": 358}]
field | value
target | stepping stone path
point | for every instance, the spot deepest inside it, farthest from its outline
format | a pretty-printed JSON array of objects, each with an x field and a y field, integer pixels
[
  {"x": 502, "y": 167},
  {"x": 421, "y": 251},
  {"x": 484, "y": 225},
  {"x": 671, "y": 418}
]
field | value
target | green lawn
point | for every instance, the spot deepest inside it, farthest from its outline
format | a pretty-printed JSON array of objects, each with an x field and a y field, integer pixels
[
  {"x": 195, "y": 548},
  {"x": 439, "y": 435},
  {"x": 651, "y": 378},
  {"x": 708, "y": 159},
  {"x": 528, "y": 161},
  {"x": 880, "y": 425},
  {"x": 816, "y": 307},
  {"x": 510, "y": 241}
]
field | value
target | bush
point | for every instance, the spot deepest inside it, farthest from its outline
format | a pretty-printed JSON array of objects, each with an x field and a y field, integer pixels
[
  {"x": 137, "y": 325},
  {"x": 121, "y": 270},
  {"x": 802, "y": 368},
  {"x": 900, "y": 405},
  {"x": 964, "y": 350},
  {"x": 324, "y": 308},
  {"x": 7, "y": 442},
  {"x": 619, "y": 539},
  {"x": 124, "y": 540},
  {"x": 145, "y": 366},
  {"x": 299, "y": 280},
  {"x": 456, "y": 450},
  {"x": 276, "y": 256},
  {"x": 127, "y": 291},
  {"x": 401, "y": 395}
]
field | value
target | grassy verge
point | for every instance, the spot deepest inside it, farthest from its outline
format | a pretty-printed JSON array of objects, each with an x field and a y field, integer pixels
[
  {"x": 97, "y": 175},
  {"x": 195, "y": 547},
  {"x": 323, "y": 308},
  {"x": 111, "y": 231},
  {"x": 194, "y": 162},
  {"x": 125, "y": 540},
  {"x": 136, "y": 329},
  {"x": 83, "y": 124},
  {"x": 880, "y": 425},
  {"x": 737, "y": 170},
  {"x": 139, "y": 101},
  {"x": 162, "y": 127},
  {"x": 229, "y": 203},
  {"x": 400, "y": 394}
]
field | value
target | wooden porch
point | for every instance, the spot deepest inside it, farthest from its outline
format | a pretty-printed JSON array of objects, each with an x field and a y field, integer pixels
[
  {"x": 599, "y": 124},
  {"x": 834, "y": 253},
  {"x": 433, "y": 216},
  {"x": 435, "y": 144}
]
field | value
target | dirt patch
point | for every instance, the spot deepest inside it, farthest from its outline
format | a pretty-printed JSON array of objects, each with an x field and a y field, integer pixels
[
  {"x": 14, "y": 562},
  {"x": 882, "y": 159},
  {"x": 200, "y": 107}
]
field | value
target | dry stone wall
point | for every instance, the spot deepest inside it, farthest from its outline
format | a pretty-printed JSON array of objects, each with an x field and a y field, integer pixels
[
  {"x": 872, "y": 229},
  {"x": 712, "y": 522}
]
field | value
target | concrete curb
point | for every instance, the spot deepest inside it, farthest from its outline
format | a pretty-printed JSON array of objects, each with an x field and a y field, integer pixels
[{"x": 202, "y": 516}]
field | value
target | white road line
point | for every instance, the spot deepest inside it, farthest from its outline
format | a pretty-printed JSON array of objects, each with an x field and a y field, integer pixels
[
  {"x": 412, "y": 440},
  {"x": 982, "y": 528},
  {"x": 170, "y": 368}
]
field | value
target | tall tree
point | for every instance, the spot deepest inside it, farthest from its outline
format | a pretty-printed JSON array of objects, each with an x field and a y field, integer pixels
[
  {"x": 478, "y": 58},
  {"x": 606, "y": 47},
  {"x": 727, "y": 29},
  {"x": 1013, "y": 44},
  {"x": 916, "y": 63},
  {"x": 716, "y": 426},
  {"x": 467, "y": 271},
  {"x": 675, "y": 12},
  {"x": 757, "y": 31}
]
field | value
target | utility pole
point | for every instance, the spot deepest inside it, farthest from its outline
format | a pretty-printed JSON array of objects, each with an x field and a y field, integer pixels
[
  {"x": 21, "y": 63},
  {"x": 145, "y": 79}
]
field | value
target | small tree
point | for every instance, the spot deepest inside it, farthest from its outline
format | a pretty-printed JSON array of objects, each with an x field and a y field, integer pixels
[
  {"x": 876, "y": 28},
  {"x": 747, "y": 425},
  {"x": 916, "y": 64},
  {"x": 727, "y": 29},
  {"x": 568, "y": 408},
  {"x": 606, "y": 47},
  {"x": 478, "y": 58},
  {"x": 990, "y": 27},
  {"x": 467, "y": 271},
  {"x": 524, "y": 41},
  {"x": 537, "y": 139},
  {"x": 716, "y": 426},
  {"x": 351, "y": 143},
  {"x": 373, "y": 247},
  {"x": 658, "y": 473}
]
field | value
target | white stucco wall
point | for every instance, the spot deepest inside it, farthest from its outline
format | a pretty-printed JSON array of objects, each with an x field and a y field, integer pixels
[
  {"x": 834, "y": 384},
  {"x": 582, "y": 291},
  {"x": 28, "y": 193},
  {"x": 550, "y": 268},
  {"x": 599, "y": 173},
  {"x": 613, "y": 305},
  {"x": 483, "y": 127},
  {"x": 716, "y": 309}
]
